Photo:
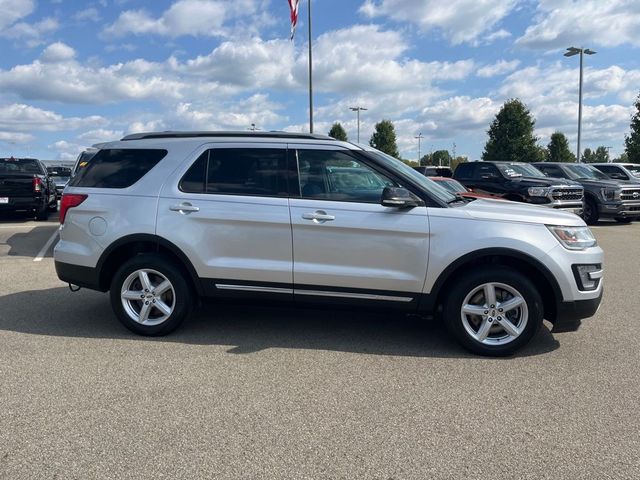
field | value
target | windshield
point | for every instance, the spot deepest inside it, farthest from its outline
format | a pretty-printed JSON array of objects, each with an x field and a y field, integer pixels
[
  {"x": 519, "y": 170},
  {"x": 429, "y": 185},
  {"x": 452, "y": 185},
  {"x": 59, "y": 172},
  {"x": 584, "y": 172},
  {"x": 634, "y": 169}
]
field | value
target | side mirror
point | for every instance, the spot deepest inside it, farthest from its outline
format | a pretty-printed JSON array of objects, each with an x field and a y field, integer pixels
[{"x": 399, "y": 197}]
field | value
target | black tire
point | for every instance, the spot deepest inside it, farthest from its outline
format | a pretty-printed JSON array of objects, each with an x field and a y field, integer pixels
[
  {"x": 465, "y": 285},
  {"x": 623, "y": 219},
  {"x": 181, "y": 297},
  {"x": 42, "y": 214},
  {"x": 590, "y": 212}
]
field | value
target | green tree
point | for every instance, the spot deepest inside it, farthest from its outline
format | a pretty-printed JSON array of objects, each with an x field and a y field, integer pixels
[
  {"x": 411, "y": 163},
  {"x": 426, "y": 159},
  {"x": 601, "y": 154},
  {"x": 511, "y": 135},
  {"x": 632, "y": 141},
  {"x": 588, "y": 156},
  {"x": 558, "y": 149},
  {"x": 384, "y": 138},
  {"x": 441, "y": 157},
  {"x": 457, "y": 161},
  {"x": 338, "y": 132},
  {"x": 623, "y": 158}
]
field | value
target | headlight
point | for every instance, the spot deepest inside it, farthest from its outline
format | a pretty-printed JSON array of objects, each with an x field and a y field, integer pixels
[
  {"x": 539, "y": 191},
  {"x": 574, "y": 238},
  {"x": 610, "y": 193}
]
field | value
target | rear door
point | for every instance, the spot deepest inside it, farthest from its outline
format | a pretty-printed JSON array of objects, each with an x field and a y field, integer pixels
[
  {"x": 228, "y": 210},
  {"x": 346, "y": 245},
  {"x": 488, "y": 179}
]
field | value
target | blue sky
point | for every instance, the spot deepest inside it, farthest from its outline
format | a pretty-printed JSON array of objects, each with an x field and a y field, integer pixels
[{"x": 74, "y": 73}]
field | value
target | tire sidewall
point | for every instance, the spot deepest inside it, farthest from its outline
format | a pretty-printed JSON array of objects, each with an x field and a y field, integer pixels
[
  {"x": 182, "y": 290},
  {"x": 495, "y": 274},
  {"x": 593, "y": 206}
]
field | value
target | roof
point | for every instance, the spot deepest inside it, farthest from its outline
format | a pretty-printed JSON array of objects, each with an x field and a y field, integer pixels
[{"x": 249, "y": 134}]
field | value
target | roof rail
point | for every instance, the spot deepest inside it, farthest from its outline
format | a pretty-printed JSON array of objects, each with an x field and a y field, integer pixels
[{"x": 195, "y": 134}]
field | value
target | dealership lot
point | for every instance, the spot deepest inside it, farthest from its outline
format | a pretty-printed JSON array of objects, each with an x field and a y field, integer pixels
[{"x": 264, "y": 392}]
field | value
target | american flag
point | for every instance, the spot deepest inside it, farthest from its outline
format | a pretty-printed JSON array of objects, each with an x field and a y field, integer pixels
[{"x": 293, "y": 5}]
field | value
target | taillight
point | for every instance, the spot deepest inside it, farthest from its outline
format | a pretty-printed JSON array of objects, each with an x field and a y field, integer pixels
[
  {"x": 37, "y": 184},
  {"x": 69, "y": 200}
]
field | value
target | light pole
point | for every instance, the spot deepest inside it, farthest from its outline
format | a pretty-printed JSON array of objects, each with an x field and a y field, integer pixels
[
  {"x": 357, "y": 110},
  {"x": 571, "y": 51},
  {"x": 419, "y": 137}
]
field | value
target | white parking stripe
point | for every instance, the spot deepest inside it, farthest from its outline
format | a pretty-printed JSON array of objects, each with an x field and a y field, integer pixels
[{"x": 46, "y": 247}]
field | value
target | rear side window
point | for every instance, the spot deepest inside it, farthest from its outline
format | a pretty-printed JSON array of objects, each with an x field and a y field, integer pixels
[
  {"x": 117, "y": 168},
  {"x": 464, "y": 170},
  {"x": 238, "y": 171}
]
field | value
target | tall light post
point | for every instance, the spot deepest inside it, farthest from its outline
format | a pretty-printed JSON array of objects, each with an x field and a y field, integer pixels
[
  {"x": 357, "y": 110},
  {"x": 571, "y": 51},
  {"x": 419, "y": 137}
]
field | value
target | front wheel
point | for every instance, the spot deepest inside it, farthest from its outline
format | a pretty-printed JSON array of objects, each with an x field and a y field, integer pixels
[
  {"x": 590, "y": 212},
  {"x": 623, "y": 219},
  {"x": 493, "y": 312},
  {"x": 150, "y": 296}
]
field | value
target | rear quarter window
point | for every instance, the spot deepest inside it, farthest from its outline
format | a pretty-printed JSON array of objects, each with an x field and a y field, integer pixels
[
  {"x": 117, "y": 168},
  {"x": 464, "y": 170}
]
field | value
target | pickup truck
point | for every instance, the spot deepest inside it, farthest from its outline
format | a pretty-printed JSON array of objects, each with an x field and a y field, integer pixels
[{"x": 25, "y": 186}]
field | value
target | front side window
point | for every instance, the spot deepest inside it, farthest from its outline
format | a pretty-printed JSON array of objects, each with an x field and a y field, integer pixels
[
  {"x": 334, "y": 175},
  {"x": 490, "y": 171},
  {"x": 117, "y": 168},
  {"x": 238, "y": 171},
  {"x": 552, "y": 171}
]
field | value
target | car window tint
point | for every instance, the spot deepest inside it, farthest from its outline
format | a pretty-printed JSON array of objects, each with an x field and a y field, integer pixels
[
  {"x": 247, "y": 171},
  {"x": 117, "y": 168},
  {"x": 334, "y": 175},
  {"x": 194, "y": 180},
  {"x": 20, "y": 165},
  {"x": 491, "y": 170},
  {"x": 551, "y": 171},
  {"x": 464, "y": 170}
]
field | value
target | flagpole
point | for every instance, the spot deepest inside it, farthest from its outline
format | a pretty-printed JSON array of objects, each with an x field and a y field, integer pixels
[{"x": 310, "y": 76}]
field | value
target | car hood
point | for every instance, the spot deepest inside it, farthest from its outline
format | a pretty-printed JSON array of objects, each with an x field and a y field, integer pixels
[
  {"x": 501, "y": 210},
  {"x": 603, "y": 183},
  {"x": 546, "y": 182}
]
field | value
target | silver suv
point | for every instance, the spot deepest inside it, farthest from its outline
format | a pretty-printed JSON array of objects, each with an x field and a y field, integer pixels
[{"x": 160, "y": 219}]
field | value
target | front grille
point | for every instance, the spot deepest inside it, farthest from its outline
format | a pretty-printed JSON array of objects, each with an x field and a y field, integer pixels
[
  {"x": 630, "y": 194},
  {"x": 567, "y": 194},
  {"x": 633, "y": 209}
]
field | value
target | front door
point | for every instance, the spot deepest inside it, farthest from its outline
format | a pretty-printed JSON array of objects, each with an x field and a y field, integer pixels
[{"x": 346, "y": 245}]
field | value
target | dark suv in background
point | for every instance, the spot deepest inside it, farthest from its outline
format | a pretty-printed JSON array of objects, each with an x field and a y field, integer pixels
[
  {"x": 520, "y": 182},
  {"x": 604, "y": 197}
]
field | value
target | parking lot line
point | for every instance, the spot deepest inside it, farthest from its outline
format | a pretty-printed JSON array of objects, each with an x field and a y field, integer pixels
[{"x": 46, "y": 247}]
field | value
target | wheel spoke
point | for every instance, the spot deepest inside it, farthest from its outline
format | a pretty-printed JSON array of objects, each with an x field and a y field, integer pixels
[
  {"x": 483, "y": 331},
  {"x": 510, "y": 304},
  {"x": 144, "y": 312},
  {"x": 163, "y": 307},
  {"x": 490, "y": 294},
  {"x": 144, "y": 280},
  {"x": 474, "y": 310},
  {"x": 509, "y": 327},
  {"x": 132, "y": 295},
  {"x": 163, "y": 287}
]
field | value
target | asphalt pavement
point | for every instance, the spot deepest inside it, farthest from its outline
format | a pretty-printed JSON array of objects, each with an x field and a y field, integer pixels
[{"x": 255, "y": 392}]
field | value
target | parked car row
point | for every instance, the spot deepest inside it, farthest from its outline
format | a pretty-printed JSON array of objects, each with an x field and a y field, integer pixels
[{"x": 594, "y": 191}]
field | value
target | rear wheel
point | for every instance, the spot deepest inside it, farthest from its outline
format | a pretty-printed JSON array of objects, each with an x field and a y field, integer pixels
[
  {"x": 493, "y": 312},
  {"x": 150, "y": 296},
  {"x": 590, "y": 211},
  {"x": 42, "y": 214}
]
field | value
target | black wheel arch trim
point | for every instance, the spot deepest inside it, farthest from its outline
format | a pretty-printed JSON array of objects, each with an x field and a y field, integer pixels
[
  {"x": 429, "y": 302},
  {"x": 159, "y": 242}
]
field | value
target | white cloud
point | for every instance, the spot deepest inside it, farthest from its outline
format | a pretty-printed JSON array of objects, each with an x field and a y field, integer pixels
[
  {"x": 13, "y": 10},
  {"x": 184, "y": 17},
  {"x": 15, "y": 137},
  {"x": 497, "y": 35},
  {"x": 562, "y": 23},
  {"x": 67, "y": 150},
  {"x": 100, "y": 135},
  {"x": 87, "y": 15},
  {"x": 31, "y": 33},
  {"x": 459, "y": 20},
  {"x": 499, "y": 68},
  {"x": 57, "y": 52},
  {"x": 19, "y": 117}
]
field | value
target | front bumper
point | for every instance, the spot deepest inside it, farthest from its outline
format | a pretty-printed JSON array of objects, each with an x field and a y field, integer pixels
[
  {"x": 620, "y": 209},
  {"x": 570, "y": 314}
]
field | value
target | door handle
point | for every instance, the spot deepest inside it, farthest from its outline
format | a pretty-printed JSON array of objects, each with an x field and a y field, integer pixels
[
  {"x": 184, "y": 208},
  {"x": 319, "y": 216}
]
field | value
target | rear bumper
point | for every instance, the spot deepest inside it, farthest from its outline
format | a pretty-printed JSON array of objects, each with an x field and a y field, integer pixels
[
  {"x": 21, "y": 204},
  {"x": 86, "y": 277}
]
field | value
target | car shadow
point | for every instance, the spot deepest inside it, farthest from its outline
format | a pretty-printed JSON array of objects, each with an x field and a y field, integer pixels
[
  {"x": 29, "y": 244},
  {"x": 246, "y": 328}
]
